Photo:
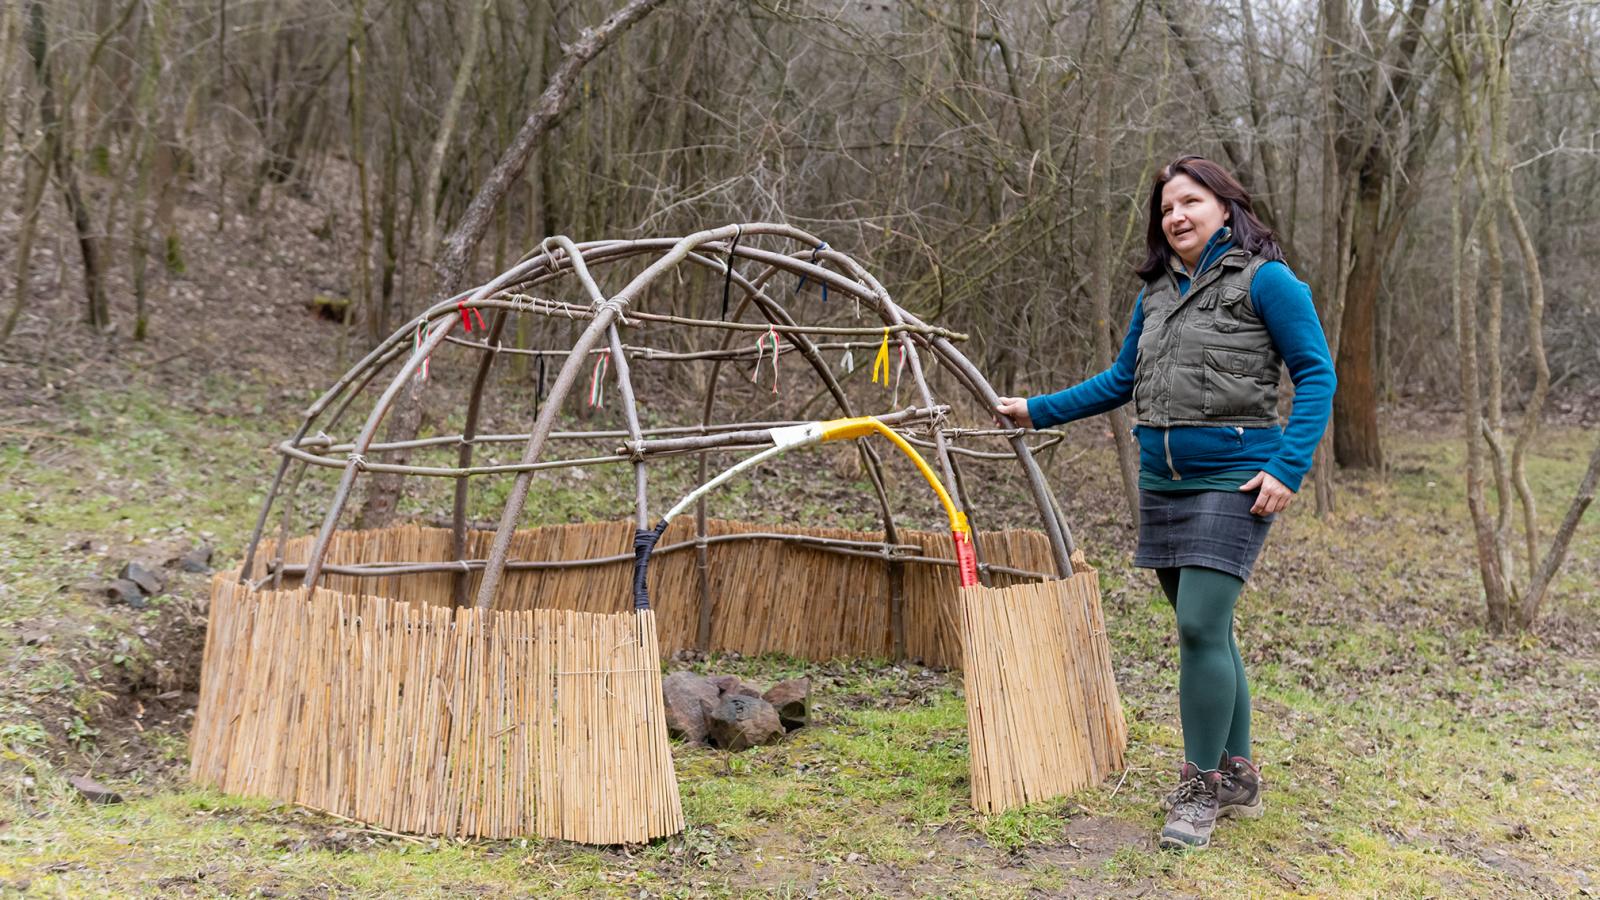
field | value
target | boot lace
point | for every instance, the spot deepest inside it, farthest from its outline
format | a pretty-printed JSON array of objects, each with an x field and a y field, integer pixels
[{"x": 1194, "y": 800}]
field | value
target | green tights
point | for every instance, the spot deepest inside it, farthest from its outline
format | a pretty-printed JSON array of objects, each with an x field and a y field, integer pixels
[{"x": 1213, "y": 696}]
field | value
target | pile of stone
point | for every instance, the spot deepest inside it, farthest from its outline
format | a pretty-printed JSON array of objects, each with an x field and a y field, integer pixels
[
  {"x": 136, "y": 583},
  {"x": 725, "y": 712}
]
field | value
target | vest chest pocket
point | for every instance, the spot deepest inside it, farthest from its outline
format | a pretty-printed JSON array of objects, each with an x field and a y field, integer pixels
[
  {"x": 1232, "y": 385},
  {"x": 1231, "y": 309}
]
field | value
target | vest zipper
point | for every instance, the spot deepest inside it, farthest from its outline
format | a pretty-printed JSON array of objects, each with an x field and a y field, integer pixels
[{"x": 1166, "y": 441}]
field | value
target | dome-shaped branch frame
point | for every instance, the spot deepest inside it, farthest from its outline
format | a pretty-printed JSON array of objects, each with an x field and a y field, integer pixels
[{"x": 558, "y": 257}]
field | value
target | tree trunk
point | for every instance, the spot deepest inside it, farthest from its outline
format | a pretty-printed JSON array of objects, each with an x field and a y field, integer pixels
[
  {"x": 356, "y": 72},
  {"x": 1331, "y": 260},
  {"x": 1490, "y": 160},
  {"x": 1534, "y": 600},
  {"x": 462, "y": 242},
  {"x": 146, "y": 152},
  {"x": 1356, "y": 443},
  {"x": 388, "y": 213},
  {"x": 37, "y": 173},
  {"x": 1100, "y": 248},
  {"x": 1496, "y": 596},
  {"x": 1487, "y": 538},
  {"x": 7, "y": 42},
  {"x": 97, "y": 310},
  {"x": 447, "y": 127},
  {"x": 1373, "y": 95},
  {"x": 541, "y": 192}
]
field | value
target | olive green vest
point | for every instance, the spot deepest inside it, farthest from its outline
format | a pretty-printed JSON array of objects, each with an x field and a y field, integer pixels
[{"x": 1205, "y": 357}]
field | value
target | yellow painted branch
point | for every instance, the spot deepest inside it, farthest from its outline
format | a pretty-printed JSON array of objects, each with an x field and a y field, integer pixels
[{"x": 861, "y": 426}]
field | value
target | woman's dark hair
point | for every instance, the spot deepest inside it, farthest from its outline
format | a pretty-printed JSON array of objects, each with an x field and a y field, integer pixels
[{"x": 1249, "y": 231}]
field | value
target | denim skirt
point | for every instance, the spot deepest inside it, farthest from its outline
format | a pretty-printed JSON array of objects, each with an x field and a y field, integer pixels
[{"x": 1213, "y": 529}]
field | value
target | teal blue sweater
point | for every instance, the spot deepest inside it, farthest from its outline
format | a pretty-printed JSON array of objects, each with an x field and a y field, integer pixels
[{"x": 1284, "y": 303}]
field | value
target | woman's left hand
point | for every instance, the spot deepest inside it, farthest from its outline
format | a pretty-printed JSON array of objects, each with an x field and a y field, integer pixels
[
  {"x": 1015, "y": 408},
  {"x": 1274, "y": 496}
]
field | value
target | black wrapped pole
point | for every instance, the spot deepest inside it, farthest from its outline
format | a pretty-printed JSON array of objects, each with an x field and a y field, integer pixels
[{"x": 644, "y": 543}]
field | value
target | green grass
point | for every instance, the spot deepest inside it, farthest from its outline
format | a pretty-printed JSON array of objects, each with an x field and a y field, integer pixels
[{"x": 1407, "y": 752}]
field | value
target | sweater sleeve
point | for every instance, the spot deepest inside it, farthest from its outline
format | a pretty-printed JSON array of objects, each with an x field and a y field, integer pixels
[
  {"x": 1102, "y": 393},
  {"x": 1284, "y": 303}
]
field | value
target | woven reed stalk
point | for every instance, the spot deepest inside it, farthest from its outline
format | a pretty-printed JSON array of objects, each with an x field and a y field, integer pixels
[
  {"x": 843, "y": 611},
  {"x": 1043, "y": 715},
  {"x": 602, "y": 734},
  {"x": 429, "y": 720}
]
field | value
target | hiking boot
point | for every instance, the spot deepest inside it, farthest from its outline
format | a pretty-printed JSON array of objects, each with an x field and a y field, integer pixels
[
  {"x": 1239, "y": 792},
  {"x": 1194, "y": 810}
]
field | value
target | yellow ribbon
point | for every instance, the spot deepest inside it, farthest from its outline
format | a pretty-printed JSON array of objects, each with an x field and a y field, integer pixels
[{"x": 882, "y": 361}]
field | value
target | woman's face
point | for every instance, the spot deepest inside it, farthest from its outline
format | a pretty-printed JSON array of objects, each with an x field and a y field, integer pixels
[{"x": 1190, "y": 214}]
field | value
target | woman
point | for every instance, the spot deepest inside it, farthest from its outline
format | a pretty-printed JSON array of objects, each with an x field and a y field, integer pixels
[{"x": 1218, "y": 315}]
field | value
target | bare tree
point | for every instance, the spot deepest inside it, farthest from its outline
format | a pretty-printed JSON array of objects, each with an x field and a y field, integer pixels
[
  {"x": 55, "y": 122},
  {"x": 1479, "y": 43},
  {"x": 1382, "y": 133},
  {"x": 145, "y": 152}
]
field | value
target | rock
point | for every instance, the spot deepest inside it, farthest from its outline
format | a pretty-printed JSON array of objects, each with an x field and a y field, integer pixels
[
  {"x": 690, "y": 698},
  {"x": 35, "y": 638},
  {"x": 741, "y": 722},
  {"x": 94, "y": 791},
  {"x": 731, "y": 684},
  {"x": 792, "y": 701},
  {"x": 124, "y": 591},
  {"x": 148, "y": 581},
  {"x": 196, "y": 560}
]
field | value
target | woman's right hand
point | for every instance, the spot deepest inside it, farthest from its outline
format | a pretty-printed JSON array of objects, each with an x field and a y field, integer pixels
[{"x": 1016, "y": 408}]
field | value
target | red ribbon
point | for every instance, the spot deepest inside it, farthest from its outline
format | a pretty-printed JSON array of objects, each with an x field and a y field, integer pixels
[
  {"x": 966, "y": 560},
  {"x": 466, "y": 316}
]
